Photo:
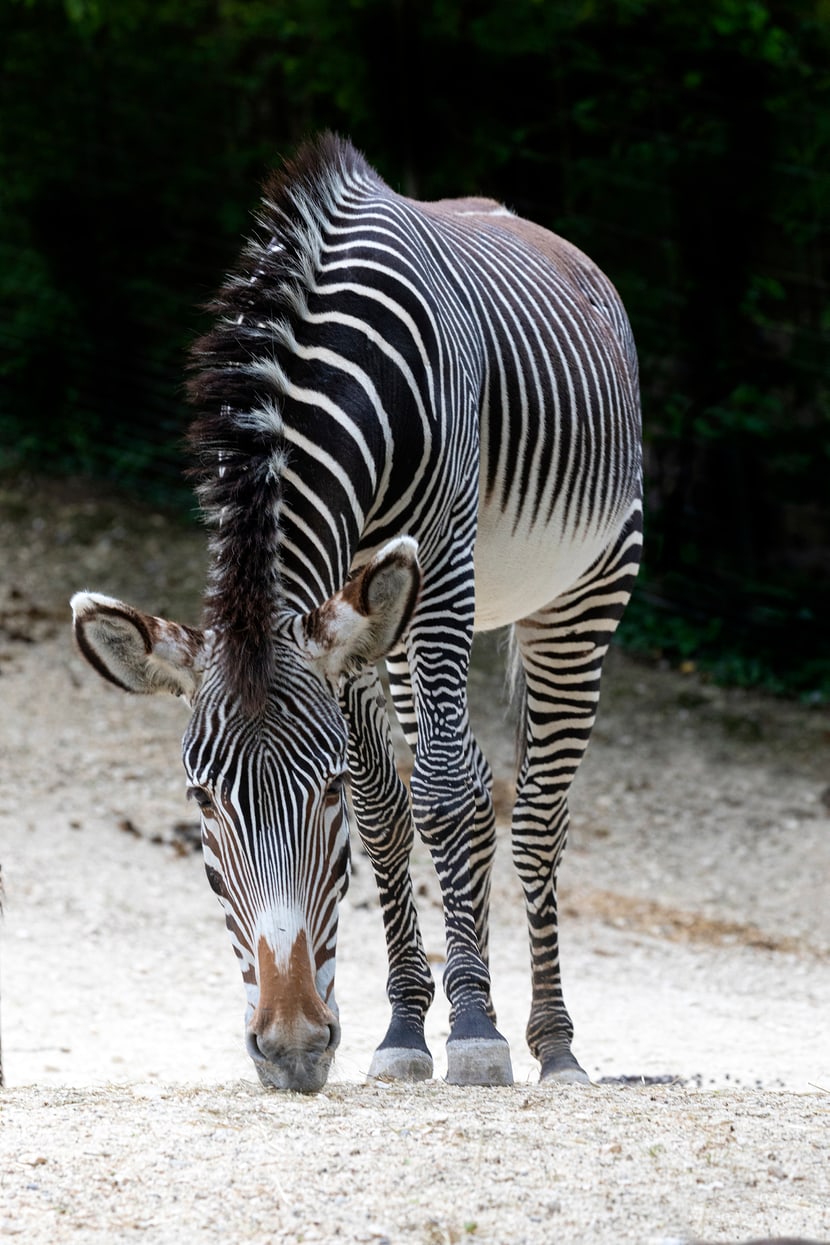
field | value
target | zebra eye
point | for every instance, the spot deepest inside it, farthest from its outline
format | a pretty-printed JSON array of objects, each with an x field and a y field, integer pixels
[
  {"x": 336, "y": 786},
  {"x": 215, "y": 882},
  {"x": 202, "y": 798}
]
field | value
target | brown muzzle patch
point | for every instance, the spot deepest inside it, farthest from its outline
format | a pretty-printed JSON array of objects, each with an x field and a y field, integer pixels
[{"x": 288, "y": 998}]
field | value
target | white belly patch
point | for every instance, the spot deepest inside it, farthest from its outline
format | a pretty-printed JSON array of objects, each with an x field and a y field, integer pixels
[{"x": 519, "y": 573}]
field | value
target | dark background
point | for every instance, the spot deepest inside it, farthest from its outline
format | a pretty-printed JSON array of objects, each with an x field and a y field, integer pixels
[{"x": 685, "y": 146}]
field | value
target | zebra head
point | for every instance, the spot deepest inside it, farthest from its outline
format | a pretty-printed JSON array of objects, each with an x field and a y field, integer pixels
[{"x": 270, "y": 788}]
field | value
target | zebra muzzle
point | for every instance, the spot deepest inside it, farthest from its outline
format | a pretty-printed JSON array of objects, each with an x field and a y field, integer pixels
[{"x": 293, "y": 1034}]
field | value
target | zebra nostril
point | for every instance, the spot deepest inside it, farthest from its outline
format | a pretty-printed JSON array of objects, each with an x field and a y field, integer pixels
[
  {"x": 263, "y": 1048},
  {"x": 252, "y": 1047}
]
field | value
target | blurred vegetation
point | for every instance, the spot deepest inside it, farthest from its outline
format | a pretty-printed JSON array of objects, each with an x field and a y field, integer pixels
[{"x": 685, "y": 145}]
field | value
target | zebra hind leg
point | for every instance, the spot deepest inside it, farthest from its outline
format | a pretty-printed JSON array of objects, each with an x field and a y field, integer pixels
[
  {"x": 561, "y": 650},
  {"x": 384, "y": 820}
]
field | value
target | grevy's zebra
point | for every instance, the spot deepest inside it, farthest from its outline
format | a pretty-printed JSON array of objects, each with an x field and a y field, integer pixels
[{"x": 416, "y": 419}]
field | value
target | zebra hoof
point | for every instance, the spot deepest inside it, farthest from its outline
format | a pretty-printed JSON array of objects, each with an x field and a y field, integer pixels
[
  {"x": 400, "y": 1063},
  {"x": 564, "y": 1070},
  {"x": 479, "y": 1061}
]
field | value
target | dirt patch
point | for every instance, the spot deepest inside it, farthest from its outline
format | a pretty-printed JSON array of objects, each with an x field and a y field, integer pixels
[
  {"x": 427, "y": 1164},
  {"x": 649, "y": 917},
  {"x": 696, "y": 937}
]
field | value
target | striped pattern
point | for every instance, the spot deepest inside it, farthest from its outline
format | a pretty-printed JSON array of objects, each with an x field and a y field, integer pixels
[
  {"x": 448, "y": 371},
  {"x": 560, "y": 651},
  {"x": 273, "y": 770}
]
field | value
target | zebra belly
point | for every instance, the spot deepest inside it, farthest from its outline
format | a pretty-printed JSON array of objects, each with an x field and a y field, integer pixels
[{"x": 520, "y": 571}]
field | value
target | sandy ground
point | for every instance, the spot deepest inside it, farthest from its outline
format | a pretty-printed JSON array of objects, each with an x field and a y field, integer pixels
[{"x": 696, "y": 947}]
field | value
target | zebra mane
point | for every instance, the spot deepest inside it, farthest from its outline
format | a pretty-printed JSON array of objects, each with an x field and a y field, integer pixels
[{"x": 237, "y": 386}]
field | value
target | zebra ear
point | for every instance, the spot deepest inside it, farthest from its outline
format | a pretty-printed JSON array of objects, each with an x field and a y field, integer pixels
[
  {"x": 362, "y": 622},
  {"x": 136, "y": 651}
]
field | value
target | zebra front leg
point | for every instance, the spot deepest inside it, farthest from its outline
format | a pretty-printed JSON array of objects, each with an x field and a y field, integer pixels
[
  {"x": 482, "y": 850},
  {"x": 384, "y": 820},
  {"x": 444, "y": 806},
  {"x": 483, "y": 843}
]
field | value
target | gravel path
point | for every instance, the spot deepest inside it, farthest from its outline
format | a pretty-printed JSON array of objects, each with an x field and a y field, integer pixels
[{"x": 696, "y": 947}]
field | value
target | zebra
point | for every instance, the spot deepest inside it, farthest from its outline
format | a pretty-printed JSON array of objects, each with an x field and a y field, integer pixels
[{"x": 414, "y": 421}]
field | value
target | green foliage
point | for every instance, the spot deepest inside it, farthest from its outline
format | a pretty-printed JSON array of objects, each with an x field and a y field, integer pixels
[
  {"x": 780, "y": 650},
  {"x": 685, "y": 146}
]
